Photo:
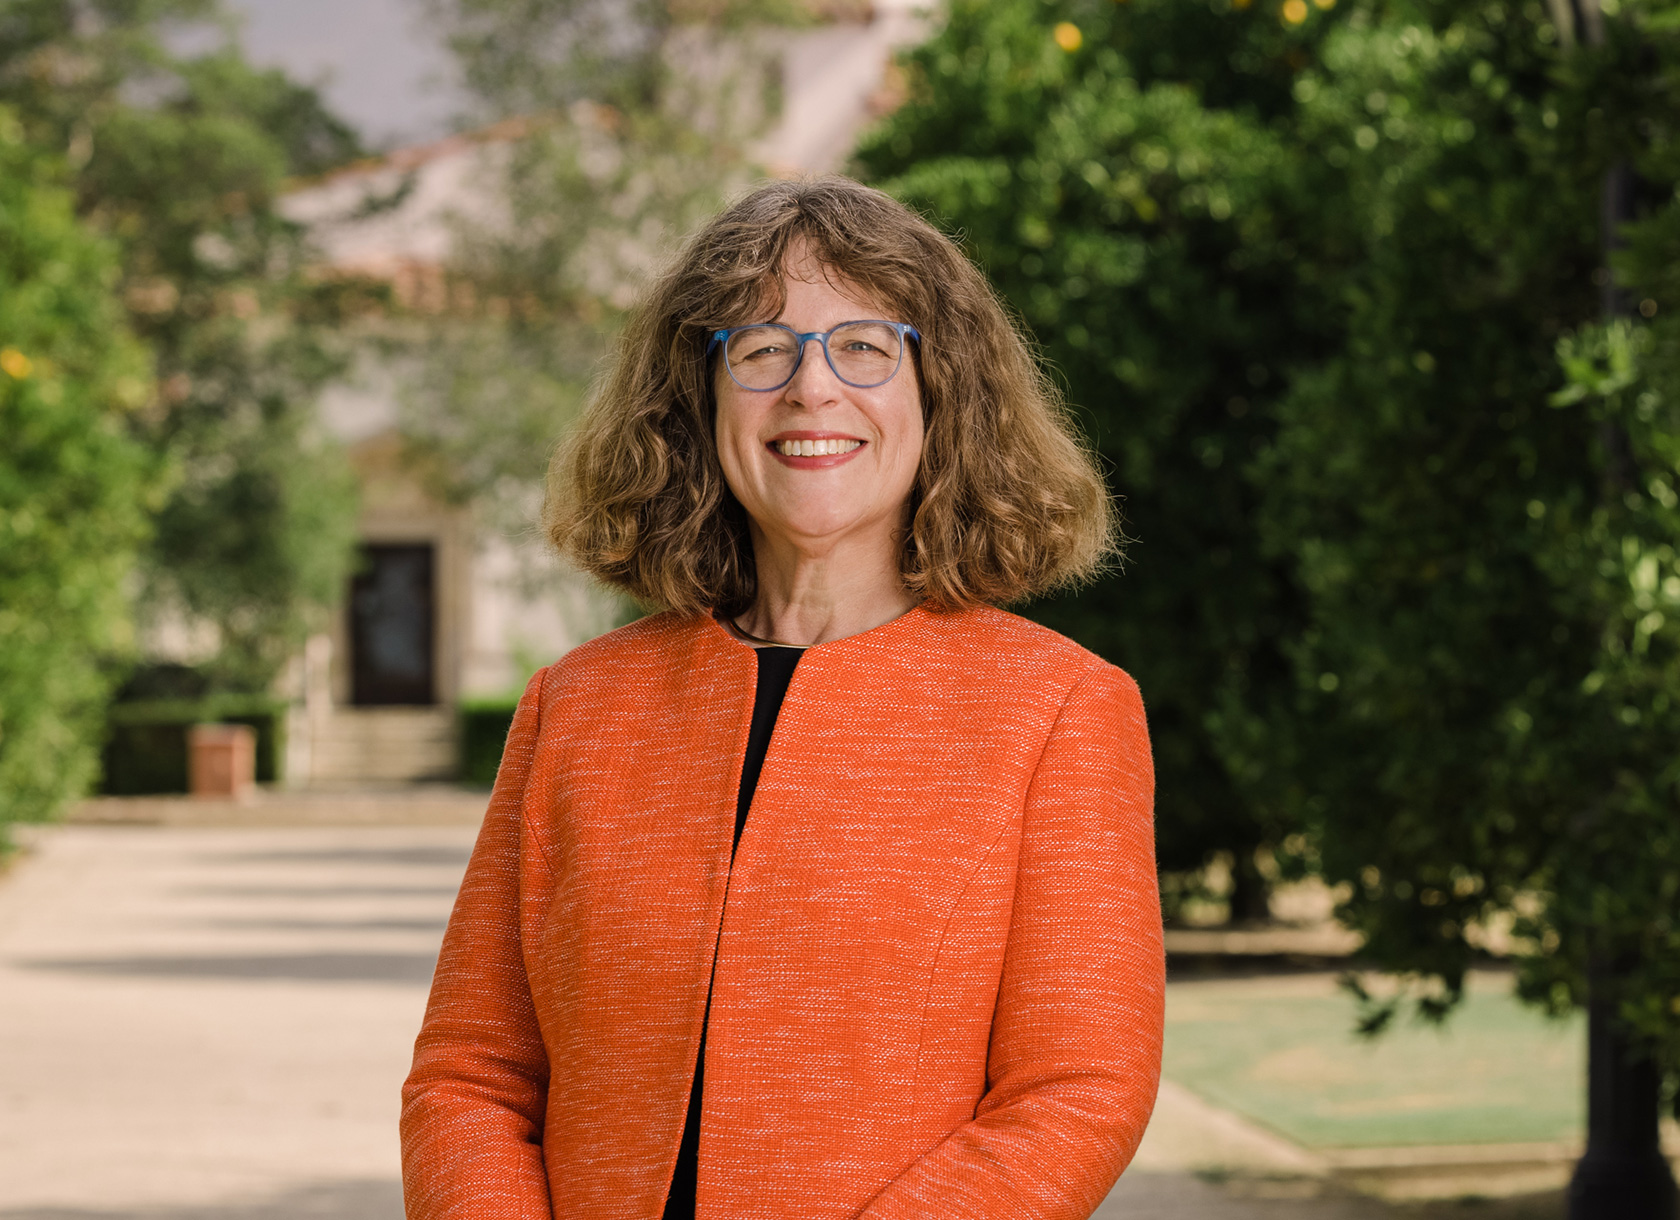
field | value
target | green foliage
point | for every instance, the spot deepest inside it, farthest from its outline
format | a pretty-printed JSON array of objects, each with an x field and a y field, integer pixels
[
  {"x": 1401, "y": 595},
  {"x": 180, "y": 159},
  {"x": 633, "y": 120},
  {"x": 484, "y": 730},
  {"x": 1614, "y": 879},
  {"x": 1436, "y": 729},
  {"x": 1150, "y": 240},
  {"x": 74, "y": 485},
  {"x": 521, "y": 57}
]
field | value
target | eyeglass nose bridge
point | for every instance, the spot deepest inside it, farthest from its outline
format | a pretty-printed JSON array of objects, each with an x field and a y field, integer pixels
[{"x": 799, "y": 340}]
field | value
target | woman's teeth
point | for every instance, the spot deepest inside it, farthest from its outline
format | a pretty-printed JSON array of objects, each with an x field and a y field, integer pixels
[{"x": 815, "y": 448}]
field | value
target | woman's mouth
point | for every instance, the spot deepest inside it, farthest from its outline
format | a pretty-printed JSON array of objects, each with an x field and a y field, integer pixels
[{"x": 815, "y": 448}]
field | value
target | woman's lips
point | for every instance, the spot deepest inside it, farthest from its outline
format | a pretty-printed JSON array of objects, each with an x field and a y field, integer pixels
[{"x": 813, "y": 452}]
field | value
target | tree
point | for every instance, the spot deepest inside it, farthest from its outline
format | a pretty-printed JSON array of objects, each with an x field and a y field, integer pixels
[
  {"x": 1119, "y": 174},
  {"x": 1462, "y": 486},
  {"x": 75, "y": 487},
  {"x": 180, "y": 159},
  {"x": 1476, "y": 541},
  {"x": 634, "y": 121}
]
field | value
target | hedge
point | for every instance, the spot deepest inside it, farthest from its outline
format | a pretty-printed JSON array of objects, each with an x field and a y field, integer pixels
[
  {"x": 484, "y": 730},
  {"x": 146, "y": 739}
]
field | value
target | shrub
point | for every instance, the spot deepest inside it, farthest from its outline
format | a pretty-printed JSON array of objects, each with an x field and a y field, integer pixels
[
  {"x": 74, "y": 485},
  {"x": 484, "y": 730}
]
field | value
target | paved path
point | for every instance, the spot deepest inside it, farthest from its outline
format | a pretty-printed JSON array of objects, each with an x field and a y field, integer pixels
[
  {"x": 197, "y": 1016},
  {"x": 212, "y": 1024}
]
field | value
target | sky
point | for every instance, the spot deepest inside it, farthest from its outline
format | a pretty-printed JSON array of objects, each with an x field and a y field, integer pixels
[{"x": 376, "y": 62}]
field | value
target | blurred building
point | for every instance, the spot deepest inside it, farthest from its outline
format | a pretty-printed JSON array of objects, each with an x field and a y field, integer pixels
[{"x": 444, "y": 607}]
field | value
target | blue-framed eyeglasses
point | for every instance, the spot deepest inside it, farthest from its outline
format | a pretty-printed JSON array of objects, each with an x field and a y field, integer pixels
[{"x": 766, "y": 356}]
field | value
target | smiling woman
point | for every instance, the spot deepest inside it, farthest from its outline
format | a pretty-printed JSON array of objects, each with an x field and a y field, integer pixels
[
  {"x": 830, "y": 891},
  {"x": 1004, "y": 501}
]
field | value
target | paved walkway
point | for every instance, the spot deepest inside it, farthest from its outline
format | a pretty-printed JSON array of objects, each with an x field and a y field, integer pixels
[{"x": 211, "y": 1023}]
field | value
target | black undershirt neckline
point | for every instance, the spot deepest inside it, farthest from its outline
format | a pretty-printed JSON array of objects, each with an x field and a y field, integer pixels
[{"x": 775, "y": 672}]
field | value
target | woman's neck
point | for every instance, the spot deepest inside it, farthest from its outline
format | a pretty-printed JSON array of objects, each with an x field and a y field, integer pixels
[{"x": 806, "y": 599}]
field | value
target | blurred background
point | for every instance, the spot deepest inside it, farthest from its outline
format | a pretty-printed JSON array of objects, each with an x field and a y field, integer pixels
[{"x": 1366, "y": 305}]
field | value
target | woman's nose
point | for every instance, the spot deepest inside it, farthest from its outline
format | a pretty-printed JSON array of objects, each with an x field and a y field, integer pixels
[{"x": 814, "y": 382}]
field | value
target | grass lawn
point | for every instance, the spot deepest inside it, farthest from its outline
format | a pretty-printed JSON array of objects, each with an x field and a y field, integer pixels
[{"x": 1281, "y": 1051}]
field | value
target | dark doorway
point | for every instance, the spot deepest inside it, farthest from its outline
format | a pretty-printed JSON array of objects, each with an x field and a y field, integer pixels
[{"x": 392, "y": 617}]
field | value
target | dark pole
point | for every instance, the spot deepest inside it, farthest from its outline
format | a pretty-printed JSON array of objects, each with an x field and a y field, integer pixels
[{"x": 1623, "y": 1174}]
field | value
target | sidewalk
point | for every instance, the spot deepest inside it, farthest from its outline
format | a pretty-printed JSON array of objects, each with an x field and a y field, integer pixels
[
  {"x": 413, "y": 805},
  {"x": 214, "y": 1022},
  {"x": 211, "y": 1021}
]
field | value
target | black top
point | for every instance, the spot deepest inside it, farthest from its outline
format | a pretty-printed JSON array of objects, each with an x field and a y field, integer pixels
[{"x": 775, "y": 671}]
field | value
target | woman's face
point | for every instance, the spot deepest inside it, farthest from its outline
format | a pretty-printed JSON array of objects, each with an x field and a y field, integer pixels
[{"x": 860, "y": 494}]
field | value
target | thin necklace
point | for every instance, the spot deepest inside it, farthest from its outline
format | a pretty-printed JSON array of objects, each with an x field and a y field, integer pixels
[{"x": 758, "y": 639}]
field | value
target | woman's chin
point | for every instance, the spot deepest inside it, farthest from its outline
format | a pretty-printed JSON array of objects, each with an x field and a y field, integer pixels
[{"x": 818, "y": 528}]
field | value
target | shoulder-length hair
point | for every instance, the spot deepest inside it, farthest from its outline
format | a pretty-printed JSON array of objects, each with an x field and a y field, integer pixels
[{"x": 1007, "y": 501}]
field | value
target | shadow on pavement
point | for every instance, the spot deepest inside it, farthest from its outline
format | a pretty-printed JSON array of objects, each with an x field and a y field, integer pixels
[
  {"x": 452, "y": 857},
  {"x": 360, "y": 1200},
  {"x": 253, "y": 924},
  {"x": 1191, "y": 1196},
  {"x": 408, "y": 968},
  {"x": 319, "y": 891}
]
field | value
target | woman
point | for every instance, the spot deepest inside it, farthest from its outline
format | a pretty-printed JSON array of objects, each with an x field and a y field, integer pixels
[{"x": 900, "y": 958}]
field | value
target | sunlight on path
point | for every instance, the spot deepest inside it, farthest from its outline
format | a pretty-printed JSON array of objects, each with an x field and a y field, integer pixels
[{"x": 194, "y": 1016}]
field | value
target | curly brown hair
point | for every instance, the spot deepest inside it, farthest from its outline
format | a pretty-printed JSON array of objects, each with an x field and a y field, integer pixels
[{"x": 1007, "y": 501}]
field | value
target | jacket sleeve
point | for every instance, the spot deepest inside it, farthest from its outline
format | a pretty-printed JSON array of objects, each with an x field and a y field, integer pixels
[
  {"x": 472, "y": 1113},
  {"x": 1075, "y": 1052}
]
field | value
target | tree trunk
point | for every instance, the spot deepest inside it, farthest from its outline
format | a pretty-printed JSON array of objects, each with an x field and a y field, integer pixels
[
  {"x": 1623, "y": 1174},
  {"x": 1251, "y": 894}
]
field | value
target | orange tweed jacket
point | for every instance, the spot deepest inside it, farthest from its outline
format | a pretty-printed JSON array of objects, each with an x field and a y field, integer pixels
[{"x": 938, "y": 987}]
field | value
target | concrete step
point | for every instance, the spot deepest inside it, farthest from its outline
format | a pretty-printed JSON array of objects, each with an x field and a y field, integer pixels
[{"x": 384, "y": 745}]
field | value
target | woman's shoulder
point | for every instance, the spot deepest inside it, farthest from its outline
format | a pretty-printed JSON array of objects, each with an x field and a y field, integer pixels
[
  {"x": 1012, "y": 642},
  {"x": 988, "y": 662},
  {"x": 649, "y": 635},
  {"x": 628, "y": 656},
  {"x": 1088, "y": 693}
]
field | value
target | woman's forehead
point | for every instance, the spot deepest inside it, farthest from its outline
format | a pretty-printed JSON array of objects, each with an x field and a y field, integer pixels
[{"x": 804, "y": 268}]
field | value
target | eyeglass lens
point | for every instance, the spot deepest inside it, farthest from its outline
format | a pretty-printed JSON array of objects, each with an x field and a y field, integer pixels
[{"x": 862, "y": 354}]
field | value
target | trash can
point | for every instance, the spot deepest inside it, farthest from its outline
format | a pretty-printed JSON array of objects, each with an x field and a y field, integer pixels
[{"x": 222, "y": 761}]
